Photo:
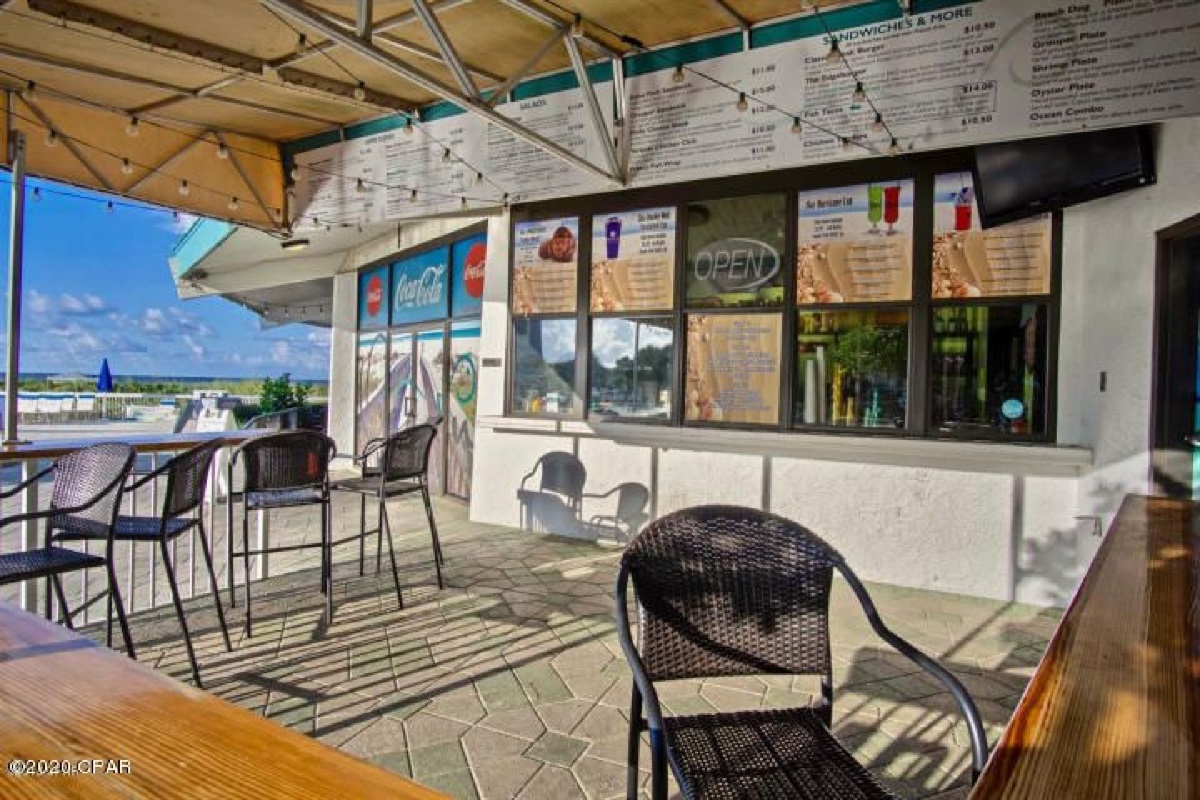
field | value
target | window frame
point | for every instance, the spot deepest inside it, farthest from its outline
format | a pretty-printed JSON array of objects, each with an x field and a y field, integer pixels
[{"x": 921, "y": 168}]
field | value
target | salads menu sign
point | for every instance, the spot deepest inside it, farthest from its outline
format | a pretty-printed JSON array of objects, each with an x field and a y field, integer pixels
[
  {"x": 373, "y": 299},
  {"x": 419, "y": 287}
]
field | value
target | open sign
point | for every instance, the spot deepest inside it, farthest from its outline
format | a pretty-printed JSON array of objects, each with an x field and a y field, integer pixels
[{"x": 737, "y": 265}]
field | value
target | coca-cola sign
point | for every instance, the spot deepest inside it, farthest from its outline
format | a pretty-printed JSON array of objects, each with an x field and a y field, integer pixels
[
  {"x": 419, "y": 287},
  {"x": 372, "y": 299}
]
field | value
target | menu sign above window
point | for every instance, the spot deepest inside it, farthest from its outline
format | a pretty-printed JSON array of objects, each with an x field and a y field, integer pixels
[
  {"x": 855, "y": 244},
  {"x": 633, "y": 261},
  {"x": 372, "y": 299},
  {"x": 545, "y": 261},
  {"x": 419, "y": 287},
  {"x": 1004, "y": 261}
]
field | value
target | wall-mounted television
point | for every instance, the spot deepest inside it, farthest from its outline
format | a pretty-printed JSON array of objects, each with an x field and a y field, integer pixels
[{"x": 1024, "y": 178}]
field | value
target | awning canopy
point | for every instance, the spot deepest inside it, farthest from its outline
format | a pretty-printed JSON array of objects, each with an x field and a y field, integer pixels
[{"x": 187, "y": 104}]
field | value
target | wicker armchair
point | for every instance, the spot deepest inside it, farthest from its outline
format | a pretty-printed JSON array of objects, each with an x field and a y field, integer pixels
[
  {"x": 722, "y": 591},
  {"x": 187, "y": 475},
  {"x": 290, "y": 468},
  {"x": 87, "y": 488},
  {"x": 393, "y": 467}
]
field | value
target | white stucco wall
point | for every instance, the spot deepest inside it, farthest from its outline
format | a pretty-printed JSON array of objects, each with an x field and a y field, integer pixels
[{"x": 1000, "y": 522}]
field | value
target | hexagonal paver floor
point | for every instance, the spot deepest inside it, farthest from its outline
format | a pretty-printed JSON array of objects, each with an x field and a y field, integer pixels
[{"x": 509, "y": 682}]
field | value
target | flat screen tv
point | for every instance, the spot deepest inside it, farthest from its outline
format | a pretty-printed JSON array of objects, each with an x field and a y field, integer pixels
[{"x": 1019, "y": 179}]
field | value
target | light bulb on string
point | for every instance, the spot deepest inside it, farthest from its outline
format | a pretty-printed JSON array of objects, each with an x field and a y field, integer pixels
[
  {"x": 294, "y": 173},
  {"x": 408, "y": 126},
  {"x": 678, "y": 76},
  {"x": 126, "y": 167},
  {"x": 222, "y": 152},
  {"x": 847, "y": 144},
  {"x": 742, "y": 105},
  {"x": 233, "y": 204},
  {"x": 835, "y": 51},
  {"x": 301, "y": 43},
  {"x": 860, "y": 93},
  {"x": 30, "y": 90},
  {"x": 109, "y": 207},
  {"x": 131, "y": 128},
  {"x": 184, "y": 189},
  {"x": 796, "y": 127},
  {"x": 877, "y": 125},
  {"x": 412, "y": 196},
  {"x": 360, "y": 91},
  {"x": 360, "y": 187},
  {"x": 479, "y": 177},
  {"x": 577, "y": 26},
  {"x": 37, "y": 194},
  {"x": 463, "y": 201},
  {"x": 894, "y": 147},
  {"x": 175, "y": 216},
  {"x": 446, "y": 155},
  {"x": 51, "y": 138}
]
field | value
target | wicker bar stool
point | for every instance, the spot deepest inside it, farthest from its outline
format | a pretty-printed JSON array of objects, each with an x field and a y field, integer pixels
[
  {"x": 285, "y": 469},
  {"x": 85, "y": 499},
  {"x": 723, "y": 591},
  {"x": 403, "y": 459},
  {"x": 187, "y": 475}
]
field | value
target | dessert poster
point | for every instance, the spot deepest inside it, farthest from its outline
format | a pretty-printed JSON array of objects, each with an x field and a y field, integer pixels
[
  {"x": 545, "y": 259},
  {"x": 633, "y": 260},
  {"x": 855, "y": 244},
  {"x": 1007, "y": 260},
  {"x": 733, "y": 368}
]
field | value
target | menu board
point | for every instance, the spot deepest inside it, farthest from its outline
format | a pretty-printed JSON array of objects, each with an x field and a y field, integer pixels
[
  {"x": 419, "y": 287},
  {"x": 733, "y": 368},
  {"x": 1007, "y": 260},
  {"x": 633, "y": 260},
  {"x": 855, "y": 244},
  {"x": 373, "y": 299},
  {"x": 545, "y": 266}
]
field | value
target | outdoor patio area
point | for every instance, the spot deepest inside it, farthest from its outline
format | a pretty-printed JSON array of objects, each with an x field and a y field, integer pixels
[{"x": 510, "y": 683}]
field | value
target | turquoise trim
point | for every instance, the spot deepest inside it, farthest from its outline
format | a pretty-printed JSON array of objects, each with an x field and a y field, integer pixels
[
  {"x": 836, "y": 20},
  {"x": 925, "y": 6},
  {"x": 198, "y": 243},
  {"x": 667, "y": 57}
]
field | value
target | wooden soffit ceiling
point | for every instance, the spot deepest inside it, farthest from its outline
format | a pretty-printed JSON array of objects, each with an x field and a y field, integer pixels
[{"x": 195, "y": 74}]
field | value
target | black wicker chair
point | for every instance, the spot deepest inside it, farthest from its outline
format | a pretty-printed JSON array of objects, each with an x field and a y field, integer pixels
[
  {"x": 723, "y": 590},
  {"x": 393, "y": 467},
  {"x": 187, "y": 475},
  {"x": 290, "y": 468},
  {"x": 85, "y": 499}
]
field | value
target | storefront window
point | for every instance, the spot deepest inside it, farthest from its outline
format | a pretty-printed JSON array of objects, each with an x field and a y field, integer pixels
[
  {"x": 852, "y": 368},
  {"x": 735, "y": 252},
  {"x": 544, "y": 375},
  {"x": 989, "y": 369},
  {"x": 631, "y": 368},
  {"x": 734, "y": 368}
]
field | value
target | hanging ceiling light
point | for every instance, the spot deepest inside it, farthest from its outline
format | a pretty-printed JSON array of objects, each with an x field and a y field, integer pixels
[
  {"x": 184, "y": 188},
  {"x": 408, "y": 125},
  {"x": 37, "y": 194},
  {"x": 51, "y": 138},
  {"x": 446, "y": 157},
  {"x": 678, "y": 76},
  {"x": 860, "y": 93},
  {"x": 796, "y": 127},
  {"x": 463, "y": 201},
  {"x": 412, "y": 196},
  {"x": 294, "y": 173},
  {"x": 479, "y": 177},
  {"x": 109, "y": 207},
  {"x": 360, "y": 187},
  {"x": 847, "y": 143},
  {"x": 360, "y": 91},
  {"x": 301, "y": 43},
  {"x": 292, "y": 245},
  {"x": 222, "y": 151},
  {"x": 30, "y": 90},
  {"x": 877, "y": 125},
  {"x": 126, "y": 167},
  {"x": 894, "y": 147},
  {"x": 131, "y": 127},
  {"x": 835, "y": 51},
  {"x": 742, "y": 105},
  {"x": 233, "y": 204}
]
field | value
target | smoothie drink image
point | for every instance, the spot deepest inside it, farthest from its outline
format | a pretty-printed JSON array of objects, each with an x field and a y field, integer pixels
[
  {"x": 962, "y": 209},
  {"x": 891, "y": 207},
  {"x": 874, "y": 206},
  {"x": 612, "y": 237}
]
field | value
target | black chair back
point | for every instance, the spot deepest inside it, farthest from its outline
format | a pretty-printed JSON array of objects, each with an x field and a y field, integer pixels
[
  {"x": 90, "y": 480},
  {"x": 406, "y": 453},
  {"x": 286, "y": 460},
  {"x": 187, "y": 475},
  {"x": 724, "y": 590}
]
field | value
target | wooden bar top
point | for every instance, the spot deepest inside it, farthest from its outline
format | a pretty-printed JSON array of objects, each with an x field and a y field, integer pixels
[
  {"x": 142, "y": 443},
  {"x": 1113, "y": 710},
  {"x": 62, "y": 697}
]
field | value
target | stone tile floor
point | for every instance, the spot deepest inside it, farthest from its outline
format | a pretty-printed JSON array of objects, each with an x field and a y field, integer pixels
[{"x": 509, "y": 683}]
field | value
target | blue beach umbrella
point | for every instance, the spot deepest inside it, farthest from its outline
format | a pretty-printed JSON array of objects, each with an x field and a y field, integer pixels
[{"x": 104, "y": 379}]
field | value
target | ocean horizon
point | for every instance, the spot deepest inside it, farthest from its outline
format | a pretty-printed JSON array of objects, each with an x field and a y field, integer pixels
[{"x": 119, "y": 376}]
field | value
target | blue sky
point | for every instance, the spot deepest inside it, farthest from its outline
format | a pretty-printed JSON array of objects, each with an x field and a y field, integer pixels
[{"x": 97, "y": 285}]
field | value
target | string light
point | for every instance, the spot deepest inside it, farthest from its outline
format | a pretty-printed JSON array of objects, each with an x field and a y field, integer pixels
[
  {"x": 294, "y": 173},
  {"x": 847, "y": 143},
  {"x": 360, "y": 91},
  {"x": 479, "y": 177},
  {"x": 860, "y": 94},
  {"x": 446, "y": 155},
  {"x": 30, "y": 90},
  {"x": 37, "y": 194},
  {"x": 678, "y": 76},
  {"x": 742, "y": 105},
  {"x": 877, "y": 125},
  {"x": 222, "y": 151},
  {"x": 835, "y": 51},
  {"x": 301, "y": 43},
  {"x": 408, "y": 126},
  {"x": 360, "y": 187},
  {"x": 796, "y": 128},
  {"x": 577, "y": 26},
  {"x": 109, "y": 207},
  {"x": 184, "y": 188},
  {"x": 233, "y": 204},
  {"x": 131, "y": 127},
  {"x": 412, "y": 196},
  {"x": 463, "y": 201},
  {"x": 51, "y": 138},
  {"x": 894, "y": 147},
  {"x": 126, "y": 167}
]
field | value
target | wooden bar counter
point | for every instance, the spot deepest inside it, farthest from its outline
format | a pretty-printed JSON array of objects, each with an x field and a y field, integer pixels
[
  {"x": 65, "y": 699},
  {"x": 1113, "y": 710},
  {"x": 142, "y": 443}
]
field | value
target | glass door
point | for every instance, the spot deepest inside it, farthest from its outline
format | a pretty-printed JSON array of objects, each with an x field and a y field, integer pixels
[
  {"x": 460, "y": 404},
  {"x": 416, "y": 377}
]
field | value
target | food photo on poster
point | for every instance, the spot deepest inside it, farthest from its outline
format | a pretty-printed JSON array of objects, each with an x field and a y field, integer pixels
[
  {"x": 545, "y": 255},
  {"x": 633, "y": 261}
]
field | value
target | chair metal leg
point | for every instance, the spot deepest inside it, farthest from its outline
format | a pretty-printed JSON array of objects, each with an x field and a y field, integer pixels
[
  {"x": 632, "y": 777},
  {"x": 187, "y": 635},
  {"x": 63, "y": 611},
  {"x": 437, "y": 548},
  {"x": 658, "y": 766},
  {"x": 362, "y": 534},
  {"x": 379, "y": 508},
  {"x": 114, "y": 590},
  {"x": 246, "y": 561},
  {"x": 212, "y": 581},
  {"x": 386, "y": 523},
  {"x": 327, "y": 557},
  {"x": 229, "y": 541}
]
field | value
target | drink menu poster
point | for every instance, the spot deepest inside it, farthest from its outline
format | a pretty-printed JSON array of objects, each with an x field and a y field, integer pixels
[
  {"x": 1007, "y": 260},
  {"x": 855, "y": 244},
  {"x": 734, "y": 368},
  {"x": 633, "y": 260},
  {"x": 545, "y": 261}
]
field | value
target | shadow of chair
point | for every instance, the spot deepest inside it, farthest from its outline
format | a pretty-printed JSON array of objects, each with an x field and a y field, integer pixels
[
  {"x": 627, "y": 518},
  {"x": 556, "y": 505}
]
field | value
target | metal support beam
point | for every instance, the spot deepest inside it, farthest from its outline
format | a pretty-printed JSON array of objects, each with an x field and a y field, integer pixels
[
  {"x": 166, "y": 162},
  {"x": 207, "y": 92},
  {"x": 68, "y": 143},
  {"x": 363, "y": 28},
  {"x": 474, "y": 105},
  {"x": 449, "y": 54},
  {"x": 16, "y": 255},
  {"x": 533, "y": 12},
  {"x": 498, "y": 94},
  {"x": 621, "y": 121},
  {"x": 235, "y": 160},
  {"x": 593, "y": 106}
]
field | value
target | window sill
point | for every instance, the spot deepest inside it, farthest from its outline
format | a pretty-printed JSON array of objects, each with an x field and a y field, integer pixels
[{"x": 995, "y": 457}]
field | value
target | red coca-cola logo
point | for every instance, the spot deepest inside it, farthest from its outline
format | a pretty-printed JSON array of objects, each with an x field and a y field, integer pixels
[
  {"x": 374, "y": 295},
  {"x": 473, "y": 272}
]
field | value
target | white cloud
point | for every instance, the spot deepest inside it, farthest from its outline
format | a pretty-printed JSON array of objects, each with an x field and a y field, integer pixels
[
  {"x": 189, "y": 323},
  {"x": 195, "y": 347},
  {"x": 84, "y": 305},
  {"x": 319, "y": 337},
  {"x": 37, "y": 302}
]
